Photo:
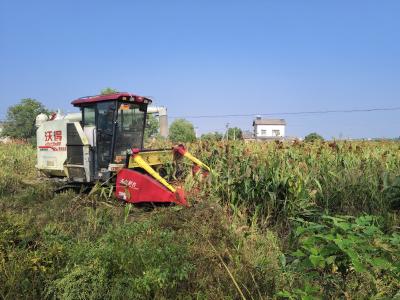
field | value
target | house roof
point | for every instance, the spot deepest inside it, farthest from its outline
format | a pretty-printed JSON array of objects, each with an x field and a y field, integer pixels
[
  {"x": 115, "y": 96},
  {"x": 269, "y": 122}
]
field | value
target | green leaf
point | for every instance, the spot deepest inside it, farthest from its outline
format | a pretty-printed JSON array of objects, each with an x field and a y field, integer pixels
[
  {"x": 319, "y": 185},
  {"x": 285, "y": 294},
  {"x": 343, "y": 225},
  {"x": 308, "y": 297},
  {"x": 317, "y": 261},
  {"x": 329, "y": 250},
  {"x": 330, "y": 260},
  {"x": 298, "y": 253},
  {"x": 358, "y": 266},
  {"x": 282, "y": 260},
  {"x": 328, "y": 237},
  {"x": 314, "y": 250},
  {"x": 341, "y": 243},
  {"x": 299, "y": 230},
  {"x": 380, "y": 263}
]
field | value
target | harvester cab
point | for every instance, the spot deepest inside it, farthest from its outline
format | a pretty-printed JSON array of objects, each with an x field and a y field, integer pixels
[
  {"x": 104, "y": 142},
  {"x": 113, "y": 124}
]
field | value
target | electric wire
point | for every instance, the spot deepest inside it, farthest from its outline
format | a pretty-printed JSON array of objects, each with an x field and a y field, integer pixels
[{"x": 289, "y": 113}]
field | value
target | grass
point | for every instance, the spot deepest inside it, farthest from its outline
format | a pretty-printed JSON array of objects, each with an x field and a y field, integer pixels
[{"x": 240, "y": 240}]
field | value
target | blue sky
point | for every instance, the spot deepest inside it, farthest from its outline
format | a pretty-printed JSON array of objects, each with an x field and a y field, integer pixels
[{"x": 212, "y": 57}]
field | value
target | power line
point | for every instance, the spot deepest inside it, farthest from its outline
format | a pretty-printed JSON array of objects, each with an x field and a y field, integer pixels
[{"x": 291, "y": 113}]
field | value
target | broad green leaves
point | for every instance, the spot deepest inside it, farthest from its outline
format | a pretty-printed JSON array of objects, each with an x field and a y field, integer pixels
[{"x": 344, "y": 245}]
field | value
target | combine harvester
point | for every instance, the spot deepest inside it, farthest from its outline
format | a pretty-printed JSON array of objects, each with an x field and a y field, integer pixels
[{"x": 106, "y": 139}]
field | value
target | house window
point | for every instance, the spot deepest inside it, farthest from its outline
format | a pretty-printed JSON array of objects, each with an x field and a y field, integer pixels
[
  {"x": 263, "y": 132},
  {"x": 276, "y": 132}
]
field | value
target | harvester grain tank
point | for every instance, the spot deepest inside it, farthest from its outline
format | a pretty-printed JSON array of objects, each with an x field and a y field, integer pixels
[{"x": 104, "y": 142}]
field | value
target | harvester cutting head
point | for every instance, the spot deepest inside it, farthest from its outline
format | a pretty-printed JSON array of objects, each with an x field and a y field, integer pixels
[{"x": 104, "y": 140}]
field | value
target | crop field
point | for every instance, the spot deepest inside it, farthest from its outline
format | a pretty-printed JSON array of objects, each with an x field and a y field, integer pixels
[{"x": 272, "y": 221}]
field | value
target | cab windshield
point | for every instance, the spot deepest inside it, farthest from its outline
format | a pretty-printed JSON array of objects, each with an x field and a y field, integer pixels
[{"x": 129, "y": 130}]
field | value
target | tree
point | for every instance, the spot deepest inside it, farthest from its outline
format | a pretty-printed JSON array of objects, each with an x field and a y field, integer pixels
[
  {"x": 313, "y": 137},
  {"x": 108, "y": 90},
  {"x": 235, "y": 133},
  {"x": 211, "y": 136},
  {"x": 20, "y": 121},
  {"x": 182, "y": 130},
  {"x": 152, "y": 126}
]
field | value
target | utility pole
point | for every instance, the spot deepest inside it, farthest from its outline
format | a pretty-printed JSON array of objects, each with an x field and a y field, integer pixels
[{"x": 227, "y": 131}]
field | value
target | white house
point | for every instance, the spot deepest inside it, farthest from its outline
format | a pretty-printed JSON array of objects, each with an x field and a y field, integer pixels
[{"x": 269, "y": 128}]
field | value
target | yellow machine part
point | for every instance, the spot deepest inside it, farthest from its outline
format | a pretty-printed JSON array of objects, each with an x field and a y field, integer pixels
[
  {"x": 147, "y": 160},
  {"x": 152, "y": 158},
  {"x": 143, "y": 164},
  {"x": 197, "y": 161}
]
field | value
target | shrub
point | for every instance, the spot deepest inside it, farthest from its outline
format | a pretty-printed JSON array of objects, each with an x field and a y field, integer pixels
[
  {"x": 313, "y": 137},
  {"x": 182, "y": 131},
  {"x": 135, "y": 261},
  {"x": 334, "y": 255}
]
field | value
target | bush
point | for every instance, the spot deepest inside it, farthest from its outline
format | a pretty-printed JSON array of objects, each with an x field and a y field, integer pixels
[
  {"x": 334, "y": 255},
  {"x": 313, "y": 137},
  {"x": 211, "y": 136},
  {"x": 182, "y": 131},
  {"x": 135, "y": 261}
]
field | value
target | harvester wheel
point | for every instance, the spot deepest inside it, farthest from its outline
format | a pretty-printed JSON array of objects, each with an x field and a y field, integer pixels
[{"x": 76, "y": 187}]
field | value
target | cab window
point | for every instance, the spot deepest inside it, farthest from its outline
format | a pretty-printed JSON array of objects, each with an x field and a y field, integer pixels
[
  {"x": 130, "y": 128},
  {"x": 89, "y": 116}
]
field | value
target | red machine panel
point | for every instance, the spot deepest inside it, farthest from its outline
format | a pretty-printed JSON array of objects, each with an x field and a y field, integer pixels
[{"x": 135, "y": 187}]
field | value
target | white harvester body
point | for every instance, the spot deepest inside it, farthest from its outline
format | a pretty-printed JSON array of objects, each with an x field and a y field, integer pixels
[
  {"x": 52, "y": 146},
  {"x": 51, "y": 138}
]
